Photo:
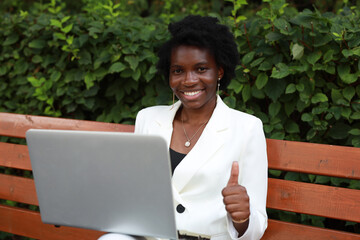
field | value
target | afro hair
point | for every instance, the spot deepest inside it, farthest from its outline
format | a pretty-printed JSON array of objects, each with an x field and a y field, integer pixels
[{"x": 203, "y": 32}]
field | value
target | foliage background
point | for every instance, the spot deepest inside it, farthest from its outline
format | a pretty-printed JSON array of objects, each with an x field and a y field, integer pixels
[{"x": 95, "y": 60}]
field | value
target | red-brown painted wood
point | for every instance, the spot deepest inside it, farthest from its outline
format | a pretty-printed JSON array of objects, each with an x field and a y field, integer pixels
[
  {"x": 314, "y": 199},
  {"x": 320, "y": 159},
  {"x": 28, "y": 223},
  {"x": 14, "y": 156},
  {"x": 18, "y": 189},
  {"x": 16, "y": 125},
  {"x": 278, "y": 230}
]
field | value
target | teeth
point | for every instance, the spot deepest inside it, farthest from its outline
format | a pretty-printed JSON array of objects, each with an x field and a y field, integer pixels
[{"x": 191, "y": 93}]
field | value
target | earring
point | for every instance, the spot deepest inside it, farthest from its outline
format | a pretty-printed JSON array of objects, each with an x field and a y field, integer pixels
[{"x": 218, "y": 87}]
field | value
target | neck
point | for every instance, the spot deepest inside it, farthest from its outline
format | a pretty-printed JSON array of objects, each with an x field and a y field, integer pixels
[{"x": 198, "y": 116}]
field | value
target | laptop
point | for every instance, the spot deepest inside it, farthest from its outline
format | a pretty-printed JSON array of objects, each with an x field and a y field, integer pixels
[{"x": 107, "y": 181}]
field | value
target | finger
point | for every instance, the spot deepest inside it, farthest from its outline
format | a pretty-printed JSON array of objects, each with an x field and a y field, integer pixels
[
  {"x": 234, "y": 175},
  {"x": 233, "y": 190}
]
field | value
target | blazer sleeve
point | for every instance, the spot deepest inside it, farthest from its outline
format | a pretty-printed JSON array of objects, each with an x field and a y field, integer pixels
[
  {"x": 139, "y": 122},
  {"x": 253, "y": 176}
]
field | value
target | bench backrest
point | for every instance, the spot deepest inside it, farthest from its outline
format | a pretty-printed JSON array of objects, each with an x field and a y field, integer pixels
[{"x": 299, "y": 197}]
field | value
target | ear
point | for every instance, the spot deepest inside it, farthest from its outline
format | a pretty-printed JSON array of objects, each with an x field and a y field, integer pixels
[{"x": 220, "y": 72}]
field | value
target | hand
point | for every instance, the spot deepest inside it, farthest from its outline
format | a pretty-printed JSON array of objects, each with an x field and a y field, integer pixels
[{"x": 236, "y": 199}]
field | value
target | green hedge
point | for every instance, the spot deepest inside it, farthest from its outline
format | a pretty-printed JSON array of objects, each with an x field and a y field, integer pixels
[{"x": 299, "y": 71}]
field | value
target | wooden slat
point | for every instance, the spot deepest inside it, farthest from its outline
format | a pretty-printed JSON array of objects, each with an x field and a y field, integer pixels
[
  {"x": 28, "y": 223},
  {"x": 314, "y": 199},
  {"x": 14, "y": 156},
  {"x": 278, "y": 230},
  {"x": 320, "y": 159},
  {"x": 16, "y": 125},
  {"x": 18, "y": 189}
]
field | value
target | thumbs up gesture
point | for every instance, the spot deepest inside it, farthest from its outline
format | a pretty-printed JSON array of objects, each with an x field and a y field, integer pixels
[{"x": 236, "y": 199}]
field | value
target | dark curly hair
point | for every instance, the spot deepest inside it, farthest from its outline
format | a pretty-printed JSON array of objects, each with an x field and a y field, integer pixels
[{"x": 203, "y": 32}]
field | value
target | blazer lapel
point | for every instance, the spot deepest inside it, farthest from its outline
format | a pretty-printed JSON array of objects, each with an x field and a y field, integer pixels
[
  {"x": 165, "y": 122},
  {"x": 209, "y": 142}
]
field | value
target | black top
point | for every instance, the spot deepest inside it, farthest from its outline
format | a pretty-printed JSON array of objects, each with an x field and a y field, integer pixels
[{"x": 175, "y": 158}]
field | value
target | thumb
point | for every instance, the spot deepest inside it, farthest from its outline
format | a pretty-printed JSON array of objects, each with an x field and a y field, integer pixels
[{"x": 234, "y": 175}]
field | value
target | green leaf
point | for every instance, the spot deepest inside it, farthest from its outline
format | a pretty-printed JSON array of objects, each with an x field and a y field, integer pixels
[
  {"x": 133, "y": 61},
  {"x": 89, "y": 80},
  {"x": 261, "y": 80},
  {"x": 280, "y": 71},
  {"x": 339, "y": 131},
  {"x": 313, "y": 57},
  {"x": 136, "y": 75},
  {"x": 355, "y": 131},
  {"x": 274, "y": 108},
  {"x": 248, "y": 58},
  {"x": 328, "y": 56},
  {"x": 60, "y": 36},
  {"x": 355, "y": 116},
  {"x": 292, "y": 127},
  {"x": 292, "y": 176},
  {"x": 290, "y": 88},
  {"x": 117, "y": 67},
  {"x": 354, "y": 184},
  {"x": 37, "y": 43},
  {"x": 265, "y": 66},
  {"x": 84, "y": 57},
  {"x": 275, "y": 173},
  {"x": 37, "y": 59},
  {"x": 3, "y": 70},
  {"x": 11, "y": 39},
  {"x": 278, "y": 135},
  {"x": 275, "y": 88},
  {"x": 67, "y": 28},
  {"x": 230, "y": 101},
  {"x": 306, "y": 117},
  {"x": 349, "y": 93},
  {"x": 236, "y": 86},
  {"x": 257, "y": 62},
  {"x": 64, "y": 19},
  {"x": 246, "y": 93},
  {"x": 322, "y": 179},
  {"x": 297, "y": 51},
  {"x": 56, "y": 23},
  {"x": 283, "y": 25},
  {"x": 55, "y": 76},
  {"x": 319, "y": 97},
  {"x": 273, "y": 36},
  {"x": 345, "y": 75}
]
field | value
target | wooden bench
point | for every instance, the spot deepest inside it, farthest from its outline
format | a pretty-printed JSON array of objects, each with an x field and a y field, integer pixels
[{"x": 299, "y": 197}]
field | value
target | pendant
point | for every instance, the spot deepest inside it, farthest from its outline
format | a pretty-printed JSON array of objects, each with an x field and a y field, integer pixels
[{"x": 187, "y": 144}]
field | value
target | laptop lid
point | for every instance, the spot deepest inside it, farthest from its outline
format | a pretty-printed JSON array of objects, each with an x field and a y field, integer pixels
[{"x": 108, "y": 181}]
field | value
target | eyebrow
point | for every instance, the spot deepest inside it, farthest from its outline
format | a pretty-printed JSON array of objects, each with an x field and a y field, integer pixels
[{"x": 197, "y": 64}]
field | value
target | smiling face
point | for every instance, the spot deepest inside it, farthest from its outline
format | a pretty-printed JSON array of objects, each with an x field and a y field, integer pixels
[{"x": 193, "y": 77}]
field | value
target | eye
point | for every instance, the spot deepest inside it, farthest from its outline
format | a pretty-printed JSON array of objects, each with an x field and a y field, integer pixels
[
  {"x": 202, "y": 69},
  {"x": 177, "y": 71}
]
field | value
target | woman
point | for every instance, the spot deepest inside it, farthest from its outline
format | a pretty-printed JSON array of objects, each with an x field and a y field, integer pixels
[{"x": 218, "y": 155}]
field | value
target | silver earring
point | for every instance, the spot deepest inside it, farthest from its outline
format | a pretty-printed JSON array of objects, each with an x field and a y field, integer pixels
[{"x": 218, "y": 87}]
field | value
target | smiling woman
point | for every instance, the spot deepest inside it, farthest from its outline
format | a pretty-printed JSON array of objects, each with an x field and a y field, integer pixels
[{"x": 218, "y": 154}]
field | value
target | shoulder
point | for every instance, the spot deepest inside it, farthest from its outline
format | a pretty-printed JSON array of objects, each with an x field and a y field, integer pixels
[
  {"x": 149, "y": 117},
  {"x": 153, "y": 111},
  {"x": 242, "y": 117},
  {"x": 237, "y": 117}
]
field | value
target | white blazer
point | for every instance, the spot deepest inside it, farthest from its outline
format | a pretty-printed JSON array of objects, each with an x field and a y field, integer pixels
[{"x": 198, "y": 180}]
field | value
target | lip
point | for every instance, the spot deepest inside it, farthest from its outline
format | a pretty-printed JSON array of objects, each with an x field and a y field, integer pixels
[{"x": 193, "y": 94}]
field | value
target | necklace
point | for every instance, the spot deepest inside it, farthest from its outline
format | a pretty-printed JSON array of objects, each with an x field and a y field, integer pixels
[{"x": 187, "y": 143}]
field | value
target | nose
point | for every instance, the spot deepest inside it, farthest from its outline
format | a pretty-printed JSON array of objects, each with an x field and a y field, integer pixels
[{"x": 190, "y": 79}]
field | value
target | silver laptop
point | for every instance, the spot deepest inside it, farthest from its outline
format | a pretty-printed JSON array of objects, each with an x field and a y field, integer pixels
[{"x": 108, "y": 181}]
